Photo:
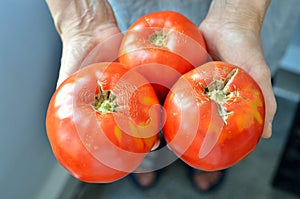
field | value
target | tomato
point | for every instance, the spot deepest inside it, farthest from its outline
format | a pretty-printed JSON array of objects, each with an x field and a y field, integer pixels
[
  {"x": 168, "y": 43},
  {"x": 102, "y": 121},
  {"x": 214, "y": 116}
]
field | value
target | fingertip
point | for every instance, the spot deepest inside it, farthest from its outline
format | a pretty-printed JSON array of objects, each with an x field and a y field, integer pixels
[{"x": 268, "y": 131}]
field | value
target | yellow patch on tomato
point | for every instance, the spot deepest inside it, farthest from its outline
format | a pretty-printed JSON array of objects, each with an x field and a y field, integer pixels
[
  {"x": 147, "y": 100},
  {"x": 133, "y": 129},
  {"x": 118, "y": 133},
  {"x": 250, "y": 112},
  {"x": 135, "y": 133},
  {"x": 245, "y": 121},
  {"x": 256, "y": 113}
]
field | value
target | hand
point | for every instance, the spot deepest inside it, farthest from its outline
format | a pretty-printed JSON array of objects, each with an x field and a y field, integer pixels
[
  {"x": 88, "y": 31},
  {"x": 232, "y": 33}
]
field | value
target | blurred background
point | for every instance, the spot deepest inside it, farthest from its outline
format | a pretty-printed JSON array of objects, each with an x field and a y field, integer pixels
[{"x": 30, "y": 51}]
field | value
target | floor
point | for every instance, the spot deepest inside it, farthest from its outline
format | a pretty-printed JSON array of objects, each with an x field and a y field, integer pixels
[{"x": 251, "y": 178}]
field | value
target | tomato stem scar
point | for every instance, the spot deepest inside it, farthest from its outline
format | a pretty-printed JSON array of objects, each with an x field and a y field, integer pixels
[
  {"x": 158, "y": 38},
  {"x": 219, "y": 92},
  {"x": 105, "y": 101}
]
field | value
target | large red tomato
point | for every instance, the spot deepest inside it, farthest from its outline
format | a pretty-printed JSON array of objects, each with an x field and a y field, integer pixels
[
  {"x": 165, "y": 45},
  {"x": 102, "y": 121},
  {"x": 214, "y": 116}
]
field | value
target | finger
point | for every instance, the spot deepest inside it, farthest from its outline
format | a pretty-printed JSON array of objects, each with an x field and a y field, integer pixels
[{"x": 271, "y": 107}]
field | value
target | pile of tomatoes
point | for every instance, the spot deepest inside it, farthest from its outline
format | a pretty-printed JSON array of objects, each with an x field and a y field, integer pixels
[{"x": 104, "y": 119}]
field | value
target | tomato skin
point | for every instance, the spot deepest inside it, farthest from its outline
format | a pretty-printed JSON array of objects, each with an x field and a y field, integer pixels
[
  {"x": 181, "y": 47},
  {"x": 102, "y": 147},
  {"x": 197, "y": 133}
]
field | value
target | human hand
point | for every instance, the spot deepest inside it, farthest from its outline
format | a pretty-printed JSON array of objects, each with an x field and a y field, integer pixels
[
  {"x": 232, "y": 32},
  {"x": 88, "y": 31}
]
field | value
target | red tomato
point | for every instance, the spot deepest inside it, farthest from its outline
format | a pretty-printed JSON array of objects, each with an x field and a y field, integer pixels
[
  {"x": 166, "y": 39},
  {"x": 214, "y": 116},
  {"x": 102, "y": 121}
]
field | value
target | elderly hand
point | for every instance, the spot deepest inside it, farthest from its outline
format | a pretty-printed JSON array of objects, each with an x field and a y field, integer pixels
[
  {"x": 232, "y": 31},
  {"x": 88, "y": 31}
]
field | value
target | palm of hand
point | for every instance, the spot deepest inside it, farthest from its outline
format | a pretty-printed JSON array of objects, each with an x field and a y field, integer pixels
[
  {"x": 240, "y": 46},
  {"x": 83, "y": 50}
]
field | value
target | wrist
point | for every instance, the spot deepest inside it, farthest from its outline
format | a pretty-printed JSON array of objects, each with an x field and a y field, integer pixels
[
  {"x": 75, "y": 18},
  {"x": 245, "y": 14}
]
